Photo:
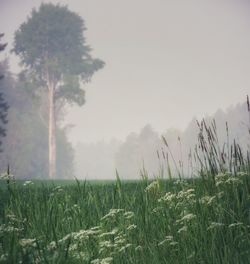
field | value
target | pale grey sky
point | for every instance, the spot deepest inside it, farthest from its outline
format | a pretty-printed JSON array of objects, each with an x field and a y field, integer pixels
[{"x": 166, "y": 61}]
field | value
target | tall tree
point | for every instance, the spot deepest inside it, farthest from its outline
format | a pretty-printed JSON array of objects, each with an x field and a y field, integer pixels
[
  {"x": 25, "y": 146},
  {"x": 3, "y": 104},
  {"x": 53, "y": 50}
]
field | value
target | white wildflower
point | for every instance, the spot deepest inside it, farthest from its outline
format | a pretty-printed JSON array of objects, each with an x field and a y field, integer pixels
[
  {"x": 95, "y": 228},
  {"x": 52, "y": 246},
  {"x": 183, "y": 229},
  {"x": 233, "y": 180},
  {"x": 106, "y": 244},
  {"x": 4, "y": 258},
  {"x": 65, "y": 238},
  {"x": 82, "y": 235},
  {"x": 6, "y": 176},
  {"x": 215, "y": 225},
  {"x": 138, "y": 248},
  {"x": 28, "y": 183},
  {"x": 235, "y": 224},
  {"x": 220, "y": 179},
  {"x": 220, "y": 194},
  {"x": 10, "y": 229},
  {"x": 157, "y": 209},
  {"x": 131, "y": 227},
  {"x": 186, "y": 218},
  {"x": 153, "y": 187},
  {"x": 76, "y": 206},
  {"x": 168, "y": 197},
  {"x": 13, "y": 218},
  {"x": 123, "y": 249},
  {"x": 129, "y": 215},
  {"x": 73, "y": 247},
  {"x": 227, "y": 178},
  {"x": 111, "y": 233},
  {"x": 108, "y": 260},
  {"x": 162, "y": 242},
  {"x": 27, "y": 242},
  {"x": 186, "y": 194},
  {"x": 173, "y": 243},
  {"x": 168, "y": 239},
  {"x": 112, "y": 213},
  {"x": 242, "y": 174},
  {"x": 181, "y": 182},
  {"x": 207, "y": 200},
  {"x": 120, "y": 240}
]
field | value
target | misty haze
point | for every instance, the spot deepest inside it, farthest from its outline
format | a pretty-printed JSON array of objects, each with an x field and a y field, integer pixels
[
  {"x": 167, "y": 64},
  {"x": 124, "y": 131}
]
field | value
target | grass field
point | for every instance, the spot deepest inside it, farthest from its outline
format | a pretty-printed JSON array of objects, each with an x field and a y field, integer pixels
[
  {"x": 175, "y": 221},
  {"x": 205, "y": 219}
]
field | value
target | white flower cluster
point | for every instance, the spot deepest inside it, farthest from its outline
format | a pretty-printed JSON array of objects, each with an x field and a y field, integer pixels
[
  {"x": 28, "y": 183},
  {"x": 186, "y": 218},
  {"x": 168, "y": 241},
  {"x": 27, "y": 242},
  {"x": 215, "y": 225},
  {"x": 10, "y": 229},
  {"x": 110, "y": 240},
  {"x": 7, "y": 177},
  {"x": 207, "y": 200},
  {"x": 113, "y": 213},
  {"x": 181, "y": 182},
  {"x": 224, "y": 179},
  {"x": 233, "y": 225},
  {"x": 108, "y": 260},
  {"x": 58, "y": 190},
  {"x": 153, "y": 188},
  {"x": 178, "y": 200}
]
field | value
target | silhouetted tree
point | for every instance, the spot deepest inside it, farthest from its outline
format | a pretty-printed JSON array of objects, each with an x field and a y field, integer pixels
[
  {"x": 3, "y": 103},
  {"x": 53, "y": 49}
]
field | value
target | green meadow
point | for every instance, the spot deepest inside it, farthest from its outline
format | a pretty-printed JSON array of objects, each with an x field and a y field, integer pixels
[
  {"x": 168, "y": 219},
  {"x": 205, "y": 220}
]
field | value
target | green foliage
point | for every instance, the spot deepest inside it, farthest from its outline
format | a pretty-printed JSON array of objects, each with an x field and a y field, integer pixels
[
  {"x": 52, "y": 47},
  {"x": 175, "y": 221}
]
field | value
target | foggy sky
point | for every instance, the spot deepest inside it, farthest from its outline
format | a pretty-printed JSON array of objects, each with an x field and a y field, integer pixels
[{"x": 166, "y": 61}]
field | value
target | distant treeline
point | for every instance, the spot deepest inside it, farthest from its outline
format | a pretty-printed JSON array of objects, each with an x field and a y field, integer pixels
[{"x": 147, "y": 150}]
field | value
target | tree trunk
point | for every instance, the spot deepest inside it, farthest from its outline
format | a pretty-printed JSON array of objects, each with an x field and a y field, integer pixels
[{"x": 52, "y": 134}]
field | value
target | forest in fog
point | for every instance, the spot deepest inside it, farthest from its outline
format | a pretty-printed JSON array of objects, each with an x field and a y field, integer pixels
[
  {"x": 144, "y": 149},
  {"x": 25, "y": 145},
  {"x": 144, "y": 86}
]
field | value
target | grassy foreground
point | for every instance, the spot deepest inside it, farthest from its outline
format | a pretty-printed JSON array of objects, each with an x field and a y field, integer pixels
[{"x": 203, "y": 220}]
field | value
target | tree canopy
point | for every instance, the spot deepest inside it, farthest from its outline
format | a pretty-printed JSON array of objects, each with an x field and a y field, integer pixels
[
  {"x": 52, "y": 48},
  {"x": 3, "y": 104}
]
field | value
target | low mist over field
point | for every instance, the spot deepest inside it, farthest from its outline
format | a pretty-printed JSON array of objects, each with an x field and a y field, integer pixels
[{"x": 152, "y": 68}]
